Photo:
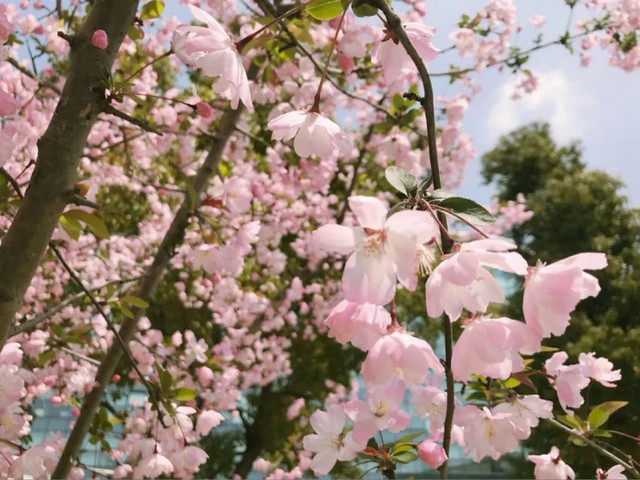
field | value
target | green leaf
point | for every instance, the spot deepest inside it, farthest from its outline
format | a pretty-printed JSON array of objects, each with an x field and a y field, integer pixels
[
  {"x": 426, "y": 182},
  {"x": 71, "y": 226},
  {"x": 597, "y": 417},
  {"x": 441, "y": 194},
  {"x": 405, "y": 457},
  {"x": 571, "y": 421},
  {"x": 468, "y": 210},
  {"x": 400, "y": 180},
  {"x": 361, "y": 9},
  {"x": 135, "y": 33},
  {"x": 577, "y": 441},
  {"x": 135, "y": 301},
  {"x": 151, "y": 10},
  {"x": 404, "y": 447},
  {"x": 164, "y": 377},
  {"x": 125, "y": 311},
  {"x": 408, "y": 437},
  {"x": 324, "y": 9},
  {"x": 511, "y": 383},
  {"x": 184, "y": 394},
  {"x": 611, "y": 407},
  {"x": 93, "y": 222}
]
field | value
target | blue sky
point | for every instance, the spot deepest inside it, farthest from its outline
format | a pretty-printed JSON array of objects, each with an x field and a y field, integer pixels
[{"x": 598, "y": 105}]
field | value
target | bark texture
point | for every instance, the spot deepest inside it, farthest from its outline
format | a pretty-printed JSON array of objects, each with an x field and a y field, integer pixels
[
  {"x": 59, "y": 152},
  {"x": 171, "y": 240}
]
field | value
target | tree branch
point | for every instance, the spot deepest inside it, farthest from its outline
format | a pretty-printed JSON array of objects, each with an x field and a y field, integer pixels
[
  {"x": 111, "y": 110},
  {"x": 26, "y": 325},
  {"x": 59, "y": 152},
  {"x": 171, "y": 240},
  {"x": 627, "y": 466},
  {"x": 395, "y": 25}
]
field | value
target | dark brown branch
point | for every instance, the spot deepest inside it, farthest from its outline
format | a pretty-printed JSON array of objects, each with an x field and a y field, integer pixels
[
  {"x": 135, "y": 121},
  {"x": 59, "y": 152},
  {"x": 27, "y": 325},
  {"x": 171, "y": 240},
  {"x": 395, "y": 25}
]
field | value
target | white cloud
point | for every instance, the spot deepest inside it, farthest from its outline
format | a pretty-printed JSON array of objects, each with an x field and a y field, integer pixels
[{"x": 557, "y": 100}]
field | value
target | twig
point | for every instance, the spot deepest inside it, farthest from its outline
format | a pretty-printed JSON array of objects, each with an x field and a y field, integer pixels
[
  {"x": 26, "y": 325},
  {"x": 80, "y": 356},
  {"x": 111, "y": 110},
  {"x": 395, "y": 25},
  {"x": 356, "y": 167},
  {"x": 627, "y": 466}
]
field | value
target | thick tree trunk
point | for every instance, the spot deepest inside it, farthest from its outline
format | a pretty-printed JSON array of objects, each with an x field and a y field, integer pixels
[{"x": 59, "y": 152}]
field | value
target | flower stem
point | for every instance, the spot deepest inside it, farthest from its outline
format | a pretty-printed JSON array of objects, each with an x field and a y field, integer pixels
[
  {"x": 316, "y": 100},
  {"x": 394, "y": 24},
  {"x": 243, "y": 42},
  {"x": 139, "y": 71}
]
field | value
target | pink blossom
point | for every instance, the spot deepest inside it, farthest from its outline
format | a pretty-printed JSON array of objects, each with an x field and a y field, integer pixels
[
  {"x": 212, "y": 50},
  {"x": 99, "y": 39},
  {"x": 8, "y": 104},
  {"x": 380, "y": 412},
  {"x": 461, "y": 281},
  {"x": 154, "y": 466},
  {"x": 599, "y": 369},
  {"x": 569, "y": 380},
  {"x": 204, "y": 109},
  {"x": 399, "y": 355},
  {"x": 208, "y": 420},
  {"x": 550, "y": 466},
  {"x": 431, "y": 402},
  {"x": 525, "y": 412},
  {"x": 7, "y": 145},
  {"x": 294, "y": 409},
  {"x": 614, "y": 473},
  {"x": 314, "y": 134},
  {"x": 431, "y": 453},
  {"x": 6, "y": 27},
  {"x": 76, "y": 473},
  {"x": 552, "y": 291},
  {"x": 537, "y": 20},
  {"x": 329, "y": 443},
  {"x": 393, "y": 57},
  {"x": 491, "y": 347},
  {"x": 384, "y": 249},
  {"x": 464, "y": 39},
  {"x": 362, "y": 324},
  {"x": 486, "y": 433}
]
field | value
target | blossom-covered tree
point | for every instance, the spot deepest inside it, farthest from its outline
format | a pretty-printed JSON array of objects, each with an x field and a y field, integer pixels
[{"x": 179, "y": 201}]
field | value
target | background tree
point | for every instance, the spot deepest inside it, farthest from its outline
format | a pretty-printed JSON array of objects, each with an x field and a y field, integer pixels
[{"x": 577, "y": 210}]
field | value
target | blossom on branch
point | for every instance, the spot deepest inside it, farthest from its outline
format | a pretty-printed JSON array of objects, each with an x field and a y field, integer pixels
[
  {"x": 330, "y": 443},
  {"x": 314, "y": 134},
  {"x": 393, "y": 57},
  {"x": 461, "y": 281},
  {"x": 552, "y": 291},
  {"x": 382, "y": 249},
  {"x": 550, "y": 466},
  {"x": 212, "y": 50}
]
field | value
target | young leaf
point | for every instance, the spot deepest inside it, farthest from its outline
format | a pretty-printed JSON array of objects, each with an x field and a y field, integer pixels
[
  {"x": 611, "y": 407},
  {"x": 324, "y": 9},
  {"x": 425, "y": 183},
  {"x": 71, "y": 226},
  {"x": 93, "y": 222},
  {"x": 597, "y": 417},
  {"x": 405, "y": 457},
  {"x": 362, "y": 9},
  {"x": 135, "y": 301},
  {"x": 151, "y": 10},
  {"x": 468, "y": 210},
  {"x": 400, "y": 180},
  {"x": 184, "y": 394},
  {"x": 408, "y": 437}
]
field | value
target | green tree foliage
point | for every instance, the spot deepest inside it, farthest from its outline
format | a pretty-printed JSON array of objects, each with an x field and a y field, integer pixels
[{"x": 578, "y": 210}]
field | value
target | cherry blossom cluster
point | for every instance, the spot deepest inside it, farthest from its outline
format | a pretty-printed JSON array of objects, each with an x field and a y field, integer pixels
[{"x": 256, "y": 221}]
